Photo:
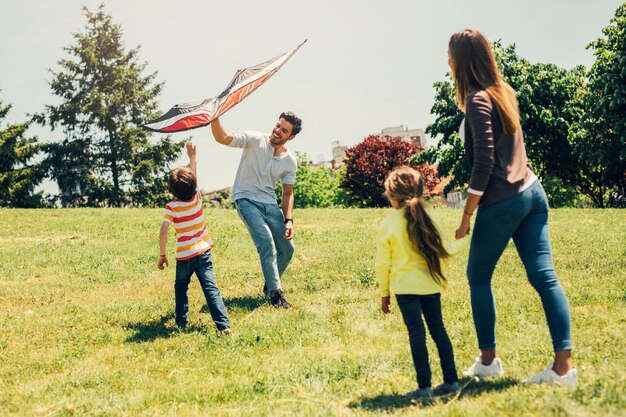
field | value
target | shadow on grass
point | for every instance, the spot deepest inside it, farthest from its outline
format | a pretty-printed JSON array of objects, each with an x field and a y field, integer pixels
[
  {"x": 150, "y": 331},
  {"x": 471, "y": 388},
  {"x": 240, "y": 304}
]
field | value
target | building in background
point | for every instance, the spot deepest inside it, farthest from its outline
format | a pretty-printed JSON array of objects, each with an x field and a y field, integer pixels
[
  {"x": 339, "y": 153},
  {"x": 414, "y": 136}
]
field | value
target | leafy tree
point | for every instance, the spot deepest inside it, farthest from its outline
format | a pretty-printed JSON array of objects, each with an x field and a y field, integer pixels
[
  {"x": 19, "y": 175},
  {"x": 105, "y": 157},
  {"x": 600, "y": 139},
  {"x": 315, "y": 187},
  {"x": 548, "y": 103},
  {"x": 561, "y": 195},
  {"x": 448, "y": 153},
  {"x": 369, "y": 163}
]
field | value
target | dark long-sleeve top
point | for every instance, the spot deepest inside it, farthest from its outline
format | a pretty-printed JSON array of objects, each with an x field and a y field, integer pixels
[{"x": 499, "y": 165}]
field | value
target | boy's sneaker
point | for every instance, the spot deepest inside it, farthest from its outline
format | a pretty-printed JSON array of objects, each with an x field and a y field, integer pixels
[
  {"x": 447, "y": 388},
  {"x": 278, "y": 300},
  {"x": 548, "y": 376},
  {"x": 478, "y": 369},
  {"x": 421, "y": 394}
]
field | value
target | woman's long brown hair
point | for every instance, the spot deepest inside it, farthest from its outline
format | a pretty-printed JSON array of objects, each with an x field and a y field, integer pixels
[
  {"x": 474, "y": 68},
  {"x": 405, "y": 185}
]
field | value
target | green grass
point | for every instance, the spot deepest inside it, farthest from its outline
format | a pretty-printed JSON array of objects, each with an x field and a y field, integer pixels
[{"x": 87, "y": 322}]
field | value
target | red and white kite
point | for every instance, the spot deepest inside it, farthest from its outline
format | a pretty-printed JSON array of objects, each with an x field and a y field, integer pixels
[{"x": 193, "y": 115}]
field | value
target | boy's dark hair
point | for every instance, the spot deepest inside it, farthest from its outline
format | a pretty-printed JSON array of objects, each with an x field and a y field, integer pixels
[
  {"x": 182, "y": 183},
  {"x": 294, "y": 120}
]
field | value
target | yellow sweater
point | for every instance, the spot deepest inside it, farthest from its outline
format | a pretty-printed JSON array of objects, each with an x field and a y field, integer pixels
[{"x": 400, "y": 268}]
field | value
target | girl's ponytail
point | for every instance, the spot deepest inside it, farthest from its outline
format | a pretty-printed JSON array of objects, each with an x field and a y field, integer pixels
[
  {"x": 425, "y": 237},
  {"x": 406, "y": 185}
]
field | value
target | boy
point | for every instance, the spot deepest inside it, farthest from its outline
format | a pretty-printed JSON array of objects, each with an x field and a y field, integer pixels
[{"x": 193, "y": 248}]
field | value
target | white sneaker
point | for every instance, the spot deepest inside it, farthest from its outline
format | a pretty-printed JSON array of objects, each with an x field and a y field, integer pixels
[
  {"x": 478, "y": 369},
  {"x": 548, "y": 376}
]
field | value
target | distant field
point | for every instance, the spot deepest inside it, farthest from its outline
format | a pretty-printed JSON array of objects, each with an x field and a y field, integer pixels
[{"x": 87, "y": 322}]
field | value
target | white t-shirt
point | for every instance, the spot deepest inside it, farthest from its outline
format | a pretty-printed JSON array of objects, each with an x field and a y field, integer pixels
[{"x": 259, "y": 170}]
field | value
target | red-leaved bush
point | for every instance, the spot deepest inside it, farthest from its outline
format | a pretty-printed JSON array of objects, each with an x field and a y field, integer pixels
[{"x": 369, "y": 163}]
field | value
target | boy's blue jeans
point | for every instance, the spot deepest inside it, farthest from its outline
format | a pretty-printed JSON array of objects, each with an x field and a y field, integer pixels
[
  {"x": 202, "y": 265},
  {"x": 525, "y": 219},
  {"x": 266, "y": 225}
]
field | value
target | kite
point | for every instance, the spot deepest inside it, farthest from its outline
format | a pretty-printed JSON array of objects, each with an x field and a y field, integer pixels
[{"x": 194, "y": 115}]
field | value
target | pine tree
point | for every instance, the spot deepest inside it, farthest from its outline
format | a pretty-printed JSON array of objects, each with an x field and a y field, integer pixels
[
  {"x": 19, "y": 174},
  {"x": 105, "y": 157}
]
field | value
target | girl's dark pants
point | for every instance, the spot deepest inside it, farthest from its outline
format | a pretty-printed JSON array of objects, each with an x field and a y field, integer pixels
[{"x": 412, "y": 308}]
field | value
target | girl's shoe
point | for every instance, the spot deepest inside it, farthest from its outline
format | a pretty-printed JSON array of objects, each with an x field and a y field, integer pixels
[
  {"x": 447, "y": 388},
  {"x": 421, "y": 394},
  {"x": 478, "y": 369},
  {"x": 548, "y": 376}
]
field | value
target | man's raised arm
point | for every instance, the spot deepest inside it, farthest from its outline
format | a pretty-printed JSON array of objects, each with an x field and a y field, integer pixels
[{"x": 220, "y": 135}]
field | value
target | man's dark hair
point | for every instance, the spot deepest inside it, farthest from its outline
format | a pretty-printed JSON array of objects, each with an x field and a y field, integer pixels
[
  {"x": 182, "y": 183},
  {"x": 294, "y": 120}
]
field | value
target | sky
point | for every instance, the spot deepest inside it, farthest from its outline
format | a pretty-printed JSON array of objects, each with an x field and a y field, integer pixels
[{"x": 367, "y": 64}]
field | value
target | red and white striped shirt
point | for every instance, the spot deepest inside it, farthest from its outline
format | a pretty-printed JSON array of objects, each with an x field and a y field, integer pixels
[{"x": 192, "y": 235}]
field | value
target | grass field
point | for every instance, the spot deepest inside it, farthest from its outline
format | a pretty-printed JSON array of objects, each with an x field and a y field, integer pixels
[{"x": 87, "y": 323}]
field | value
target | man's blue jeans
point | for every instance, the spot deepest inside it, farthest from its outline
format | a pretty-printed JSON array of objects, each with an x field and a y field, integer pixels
[
  {"x": 202, "y": 265},
  {"x": 525, "y": 219},
  {"x": 266, "y": 225}
]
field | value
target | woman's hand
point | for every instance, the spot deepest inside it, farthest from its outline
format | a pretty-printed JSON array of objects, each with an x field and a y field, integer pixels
[{"x": 464, "y": 228}]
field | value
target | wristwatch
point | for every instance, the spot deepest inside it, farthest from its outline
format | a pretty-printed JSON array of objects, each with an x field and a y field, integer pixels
[{"x": 288, "y": 220}]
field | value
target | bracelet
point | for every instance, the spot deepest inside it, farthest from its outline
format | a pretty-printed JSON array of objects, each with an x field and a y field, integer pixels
[
  {"x": 288, "y": 220},
  {"x": 469, "y": 214},
  {"x": 163, "y": 256}
]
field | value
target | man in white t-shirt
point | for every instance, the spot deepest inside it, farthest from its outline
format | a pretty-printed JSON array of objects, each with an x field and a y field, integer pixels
[{"x": 266, "y": 160}]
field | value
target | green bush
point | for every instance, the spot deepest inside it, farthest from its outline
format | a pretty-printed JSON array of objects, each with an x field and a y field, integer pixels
[{"x": 316, "y": 186}]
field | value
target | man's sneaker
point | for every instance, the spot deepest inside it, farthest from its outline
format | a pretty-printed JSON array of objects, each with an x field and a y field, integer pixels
[
  {"x": 478, "y": 369},
  {"x": 278, "y": 300},
  {"x": 226, "y": 331},
  {"x": 447, "y": 388},
  {"x": 548, "y": 376},
  {"x": 421, "y": 394}
]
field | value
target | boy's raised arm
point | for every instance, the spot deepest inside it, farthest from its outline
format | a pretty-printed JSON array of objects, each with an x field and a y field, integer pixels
[
  {"x": 191, "y": 153},
  {"x": 220, "y": 135}
]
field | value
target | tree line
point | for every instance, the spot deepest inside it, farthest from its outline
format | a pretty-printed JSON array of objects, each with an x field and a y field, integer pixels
[{"x": 574, "y": 123}]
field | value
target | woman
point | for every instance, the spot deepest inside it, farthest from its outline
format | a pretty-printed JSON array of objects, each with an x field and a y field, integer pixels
[{"x": 509, "y": 202}]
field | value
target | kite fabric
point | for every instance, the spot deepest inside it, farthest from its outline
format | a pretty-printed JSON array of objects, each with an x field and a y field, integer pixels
[{"x": 193, "y": 115}]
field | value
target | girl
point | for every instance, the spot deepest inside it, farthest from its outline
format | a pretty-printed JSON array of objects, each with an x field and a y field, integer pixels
[
  {"x": 511, "y": 204},
  {"x": 409, "y": 258}
]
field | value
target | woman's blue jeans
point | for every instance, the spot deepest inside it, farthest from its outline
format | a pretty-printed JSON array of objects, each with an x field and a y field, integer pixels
[
  {"x": 266, "y": 225},
  {"x": 525, "y": 219},
  {"x": 202, "y": 265}
]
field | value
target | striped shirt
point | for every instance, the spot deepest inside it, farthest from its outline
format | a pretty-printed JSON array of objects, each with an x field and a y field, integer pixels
[{"x": 192, "y": 235}]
